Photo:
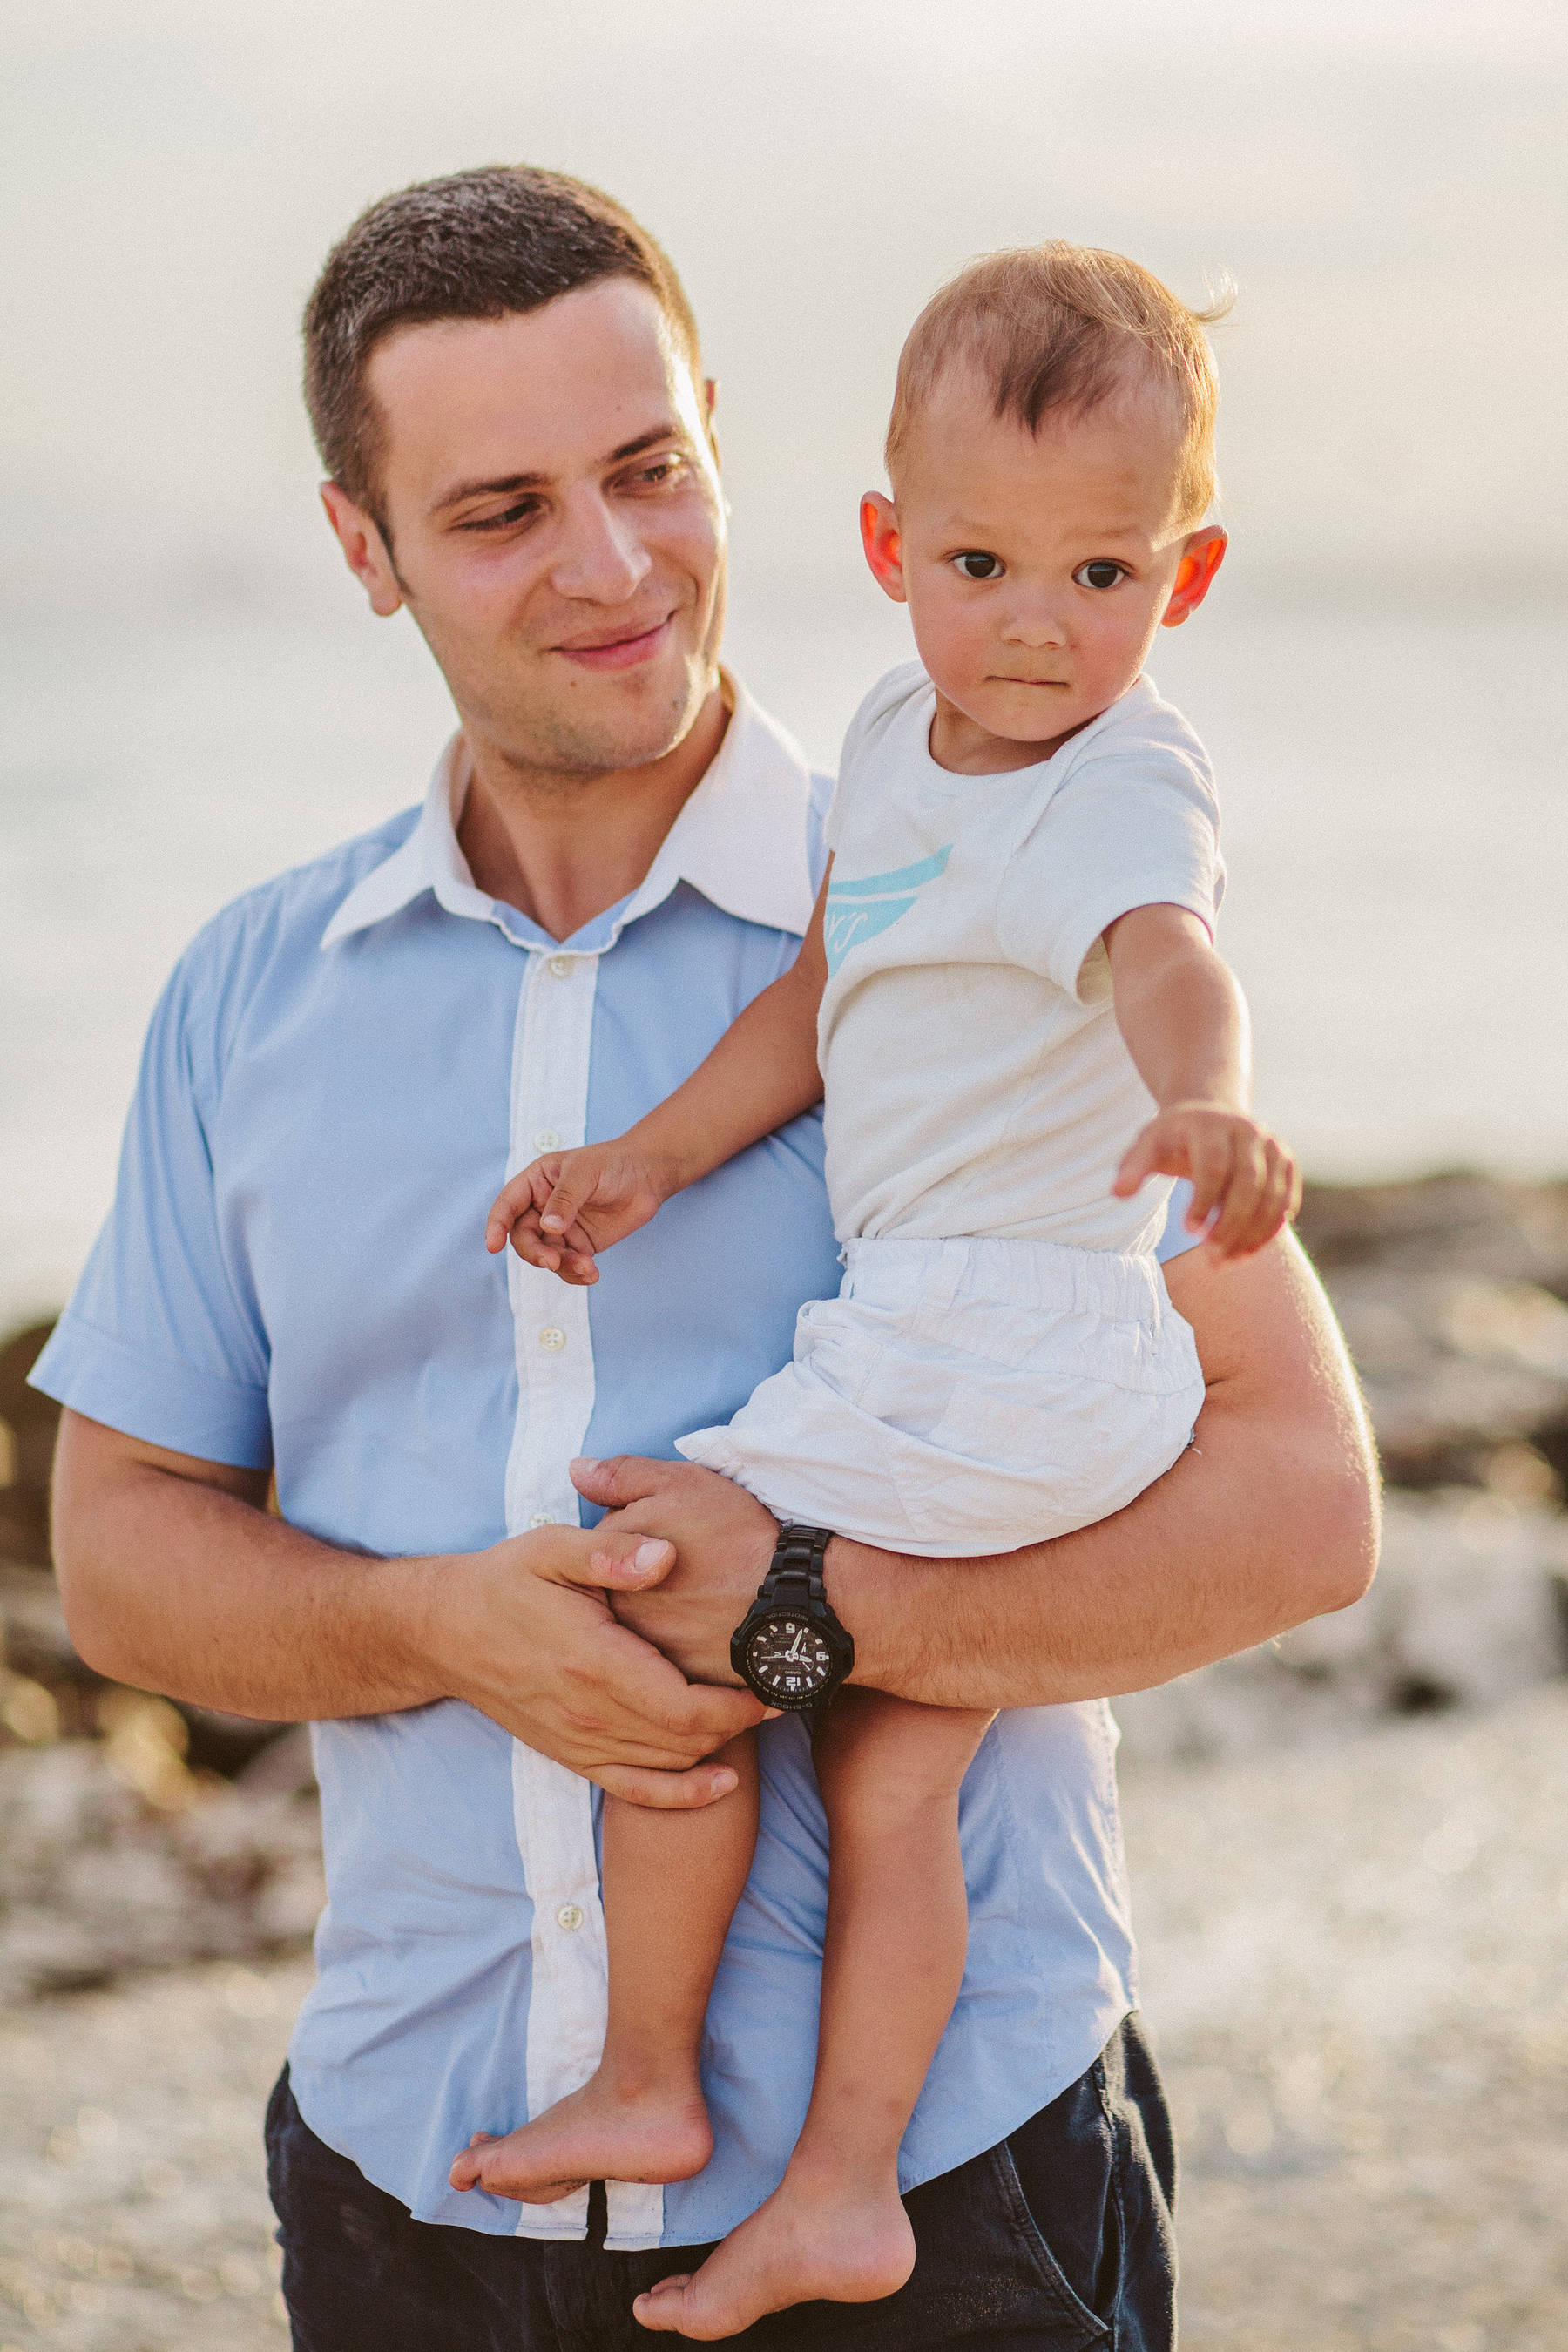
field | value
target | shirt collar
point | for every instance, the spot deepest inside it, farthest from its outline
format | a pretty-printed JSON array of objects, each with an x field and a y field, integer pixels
[{"x": 741, "y": 839}]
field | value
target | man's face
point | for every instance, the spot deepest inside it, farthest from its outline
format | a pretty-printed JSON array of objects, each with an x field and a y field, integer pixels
[{"x": 551, "y": 497}]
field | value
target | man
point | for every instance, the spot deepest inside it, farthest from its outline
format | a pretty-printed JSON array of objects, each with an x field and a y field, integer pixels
[{"x": 618, "y": 851}]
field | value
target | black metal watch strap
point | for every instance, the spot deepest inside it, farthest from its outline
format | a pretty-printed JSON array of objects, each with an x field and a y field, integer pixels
[{"x": 796, "y": 1573}]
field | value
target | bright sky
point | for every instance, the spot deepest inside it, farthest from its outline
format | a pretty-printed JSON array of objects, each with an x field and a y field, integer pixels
[{"x": 1383, "y": 180}]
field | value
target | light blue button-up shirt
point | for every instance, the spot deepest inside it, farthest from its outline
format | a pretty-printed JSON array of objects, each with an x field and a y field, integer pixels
[{"x": 341, "y": 1071}]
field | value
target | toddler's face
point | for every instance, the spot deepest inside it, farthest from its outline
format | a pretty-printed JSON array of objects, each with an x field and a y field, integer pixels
[{"x": 1037, "y": 567}]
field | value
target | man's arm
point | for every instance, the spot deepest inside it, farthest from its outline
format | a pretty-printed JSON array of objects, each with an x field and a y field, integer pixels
[
  {"x": 176, "y": 1579},
  {"x": 1271, "y": 1519}
]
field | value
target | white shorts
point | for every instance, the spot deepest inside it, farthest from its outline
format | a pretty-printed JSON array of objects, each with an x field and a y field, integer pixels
[{"x": 968, "y": 1396}]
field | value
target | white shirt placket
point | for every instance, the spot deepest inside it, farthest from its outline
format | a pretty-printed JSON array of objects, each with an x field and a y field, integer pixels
[{"x": 552, "y": 1807}]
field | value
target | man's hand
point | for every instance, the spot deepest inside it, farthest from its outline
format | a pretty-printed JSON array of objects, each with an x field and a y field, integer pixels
[
  {"x": 1234, "y": 1166},
  {"x": 560, "y": 1209},
  {"x": 176, "y": 1579},
  {"x": 724, "y": 1540},
  {"x": 526, "y": 1633}
]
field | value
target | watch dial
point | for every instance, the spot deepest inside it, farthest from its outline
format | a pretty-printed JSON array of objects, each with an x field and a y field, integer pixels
[{"x": 789, "y": 1656}]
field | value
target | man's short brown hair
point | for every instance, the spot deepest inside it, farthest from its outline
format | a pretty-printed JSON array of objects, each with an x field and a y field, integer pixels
[
  {"x": 1066, "y": 327},
  {"x": 476, "y": 244}
]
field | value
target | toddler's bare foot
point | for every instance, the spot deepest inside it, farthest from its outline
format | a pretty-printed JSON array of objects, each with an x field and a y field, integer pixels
[
  {"x": 841, "y": 2242},
  {"x": 595, "y": 2133}
]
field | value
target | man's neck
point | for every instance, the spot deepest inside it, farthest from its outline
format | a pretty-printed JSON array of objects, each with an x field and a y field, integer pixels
[{"x": 560, "y": 850}]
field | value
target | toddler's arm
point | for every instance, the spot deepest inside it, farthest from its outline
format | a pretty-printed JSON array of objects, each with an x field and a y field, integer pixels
[
  {"x": 1184, "y": 1021},
  {"x": 763, "y": 1072}
]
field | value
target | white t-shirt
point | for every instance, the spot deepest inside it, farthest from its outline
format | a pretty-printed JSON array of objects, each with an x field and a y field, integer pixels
[{"x": 976, "y": 1081}]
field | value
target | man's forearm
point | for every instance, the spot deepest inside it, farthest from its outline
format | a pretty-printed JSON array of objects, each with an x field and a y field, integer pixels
[
  {"x": 176, "y": 1579},
  {"x": 1268, "y": 1519},
  {"x": 173, "y": 1584}
]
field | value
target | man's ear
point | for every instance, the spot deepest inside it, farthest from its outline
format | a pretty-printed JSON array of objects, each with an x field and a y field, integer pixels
[
  {"x": 365, "y": 551},
  {"x": 1201, "y": 559},
  {"x": 884, "y": 552}
]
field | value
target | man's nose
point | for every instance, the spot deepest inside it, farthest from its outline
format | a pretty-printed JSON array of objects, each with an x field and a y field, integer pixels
[{"x": 599, "y": 557}]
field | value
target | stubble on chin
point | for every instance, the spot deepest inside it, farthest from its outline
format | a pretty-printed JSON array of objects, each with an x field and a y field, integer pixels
[{"x": 563, "y": 747}]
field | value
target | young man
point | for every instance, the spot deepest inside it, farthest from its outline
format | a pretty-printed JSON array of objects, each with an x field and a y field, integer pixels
[{"x": 618, "y": 853}]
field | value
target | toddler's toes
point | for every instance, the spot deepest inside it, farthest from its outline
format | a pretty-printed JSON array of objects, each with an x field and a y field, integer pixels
[{"x": 659, "y": 2310}]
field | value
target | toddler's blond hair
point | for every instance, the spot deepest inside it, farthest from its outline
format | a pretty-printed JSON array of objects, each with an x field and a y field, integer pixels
[{"x": 1065, "y": 327}]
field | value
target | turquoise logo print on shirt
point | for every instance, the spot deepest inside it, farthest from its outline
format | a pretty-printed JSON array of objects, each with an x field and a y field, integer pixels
[{"x": 859, "y": 910}]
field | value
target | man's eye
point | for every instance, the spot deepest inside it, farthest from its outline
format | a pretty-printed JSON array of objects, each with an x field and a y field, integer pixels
[
  {"x": 1101, "y": 573},
  {"x": 518, "y": 513},
  {"x": 976, "y": 565}
]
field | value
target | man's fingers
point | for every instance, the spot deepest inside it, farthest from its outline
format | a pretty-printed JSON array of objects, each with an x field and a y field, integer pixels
[
  {"x": 666, "y": 1793},
  {"x": 627, "y": 1478},
  {"x": 609, "y": 1560}
]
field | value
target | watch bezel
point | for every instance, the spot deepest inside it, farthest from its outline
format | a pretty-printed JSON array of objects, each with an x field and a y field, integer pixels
[
  {"x": 833, "y": 1639},
  {"x": 792, "y": 1589}
]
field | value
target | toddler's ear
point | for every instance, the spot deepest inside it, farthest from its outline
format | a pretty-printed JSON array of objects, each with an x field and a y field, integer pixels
[
  {"x": 1204, "y": 555},
  {"x": 879, "y": 538}
]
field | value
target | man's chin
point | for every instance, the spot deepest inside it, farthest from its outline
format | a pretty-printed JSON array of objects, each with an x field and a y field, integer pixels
[{"x": 622, "y": 719}]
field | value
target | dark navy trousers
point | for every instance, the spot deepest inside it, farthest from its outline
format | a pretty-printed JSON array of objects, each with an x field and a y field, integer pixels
[{"x": 1059, "y": 2237}]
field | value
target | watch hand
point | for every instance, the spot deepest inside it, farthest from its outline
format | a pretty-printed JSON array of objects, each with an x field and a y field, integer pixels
[{"x": 793, "y": 1649}]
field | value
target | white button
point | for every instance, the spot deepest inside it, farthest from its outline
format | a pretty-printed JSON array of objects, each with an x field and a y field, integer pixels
[
  {"x": 541, "y": 1518},
  {"x": 569, "y": 1916},
  {"x": 552, "y": 1338},
  {"x": 546, "y": 1139},
  {"x": 560, "y": 966}
]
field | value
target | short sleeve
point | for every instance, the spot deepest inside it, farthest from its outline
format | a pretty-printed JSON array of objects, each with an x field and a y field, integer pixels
[
  {"x": 1134, "y": 823},
  {"x": 158, "y": 1340}
]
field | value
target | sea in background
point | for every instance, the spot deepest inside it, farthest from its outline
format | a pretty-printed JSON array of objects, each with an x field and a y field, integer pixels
[{"x": 191, "y": 696}]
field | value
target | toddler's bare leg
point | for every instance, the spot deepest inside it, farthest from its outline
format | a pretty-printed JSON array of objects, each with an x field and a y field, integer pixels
[
  {"x": 671, "y": 1882},
  {"x": 898, "y": 1930}
]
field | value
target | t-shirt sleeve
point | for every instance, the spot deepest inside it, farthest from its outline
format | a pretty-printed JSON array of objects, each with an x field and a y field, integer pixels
[
  {"x": 159, "y": 1340},
  {"x": 1134, "y": 824}
]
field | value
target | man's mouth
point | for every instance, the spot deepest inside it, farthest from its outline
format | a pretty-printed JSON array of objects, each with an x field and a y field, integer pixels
[{"x": 616, "y": 648}]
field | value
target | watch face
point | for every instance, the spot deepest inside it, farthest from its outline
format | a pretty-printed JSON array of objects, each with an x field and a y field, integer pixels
[{"x": 788, "y": 1656}]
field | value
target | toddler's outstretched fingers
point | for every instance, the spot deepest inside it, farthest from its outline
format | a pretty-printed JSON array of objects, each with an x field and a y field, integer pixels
[
  {"x": 1137, "y": 1165},
  {"x": 1237, "y": 1228}
]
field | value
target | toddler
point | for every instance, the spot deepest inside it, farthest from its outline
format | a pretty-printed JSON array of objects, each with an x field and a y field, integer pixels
[{"x": 1009, "y": 968}]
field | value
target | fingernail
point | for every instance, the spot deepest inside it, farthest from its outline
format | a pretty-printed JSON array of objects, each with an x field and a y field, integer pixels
[
  {"x": 649, "y": 1554},
  {"x": 582, "y": 1461},
  {"x": 723, "y": 1781}
]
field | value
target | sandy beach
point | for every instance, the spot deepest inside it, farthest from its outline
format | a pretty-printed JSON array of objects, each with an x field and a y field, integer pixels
[{"x": 1354, "y": 1975}]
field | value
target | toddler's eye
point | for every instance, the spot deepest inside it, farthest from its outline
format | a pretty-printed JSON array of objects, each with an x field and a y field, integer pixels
[
  {"x": 1101, "y": 573},
  {"x": 975, "y": 565}
]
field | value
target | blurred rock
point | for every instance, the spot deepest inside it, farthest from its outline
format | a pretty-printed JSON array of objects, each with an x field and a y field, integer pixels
[
  {"x": 1451, "y": 1293},
  {"x": 26, "y": 1449},
  {"x": 1467, "y": 1610},
  {"x": 99, "y": 1874}
]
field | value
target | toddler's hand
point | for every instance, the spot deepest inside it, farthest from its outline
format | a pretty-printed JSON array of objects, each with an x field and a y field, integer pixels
[
  {"x": 559, "y": 1210},
  {"x": 1234, "y": 1166}
]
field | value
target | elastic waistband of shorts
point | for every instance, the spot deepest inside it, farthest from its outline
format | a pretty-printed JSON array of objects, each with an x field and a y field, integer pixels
[{"x": 1123, "y": 1286}]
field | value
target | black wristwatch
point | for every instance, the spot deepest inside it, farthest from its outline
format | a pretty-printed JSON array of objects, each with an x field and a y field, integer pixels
[{"x": 789, "y": 1647}]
